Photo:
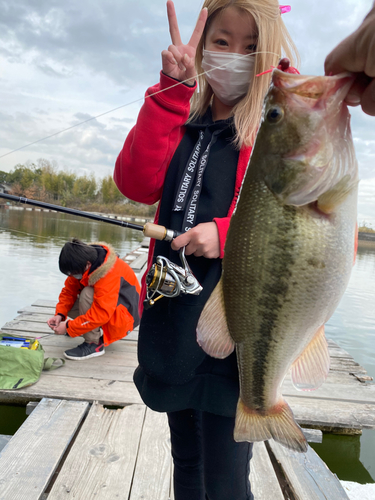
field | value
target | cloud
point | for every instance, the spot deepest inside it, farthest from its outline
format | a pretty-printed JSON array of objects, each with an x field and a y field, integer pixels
[
  {"x": 366, "y": 201},
  {"x": 118, "y": 39},
  {"x": 64, "y": 63}
]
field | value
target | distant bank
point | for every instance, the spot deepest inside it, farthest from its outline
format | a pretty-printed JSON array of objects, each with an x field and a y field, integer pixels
[
  {"x": 129, "y": 218},
  {"x": 366, "y": 240}
]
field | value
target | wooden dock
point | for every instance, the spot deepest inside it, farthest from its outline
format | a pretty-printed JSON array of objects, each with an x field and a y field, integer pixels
[
  {"x": 344, "y": 404},
  {"x": 75, "y": 444}
]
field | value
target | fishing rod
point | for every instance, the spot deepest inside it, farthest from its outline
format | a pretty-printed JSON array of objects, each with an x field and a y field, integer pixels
[
  {"x": 165, "y": 278},
  {"x": 149, "y": 229}
]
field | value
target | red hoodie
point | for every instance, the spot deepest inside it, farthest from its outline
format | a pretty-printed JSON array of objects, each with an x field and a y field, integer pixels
[{"x": 149, "y": 147}]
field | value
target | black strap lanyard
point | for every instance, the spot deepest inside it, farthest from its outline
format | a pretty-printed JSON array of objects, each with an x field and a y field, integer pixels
[
  {"x": 191, "y": 172},
  {"x": 188, "y": 176}
]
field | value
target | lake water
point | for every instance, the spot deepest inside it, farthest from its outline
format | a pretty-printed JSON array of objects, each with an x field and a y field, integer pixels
[{"x": 30, "y": 244}]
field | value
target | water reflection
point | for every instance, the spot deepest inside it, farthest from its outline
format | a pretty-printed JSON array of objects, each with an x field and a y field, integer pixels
[
  {"x": 11, "y": 418},
  {"x": 353, "y": 323},
  {"x": 30, "y": 244},
  {"x": 334, "y": 448},
  {"x": 48, "y": 227}
]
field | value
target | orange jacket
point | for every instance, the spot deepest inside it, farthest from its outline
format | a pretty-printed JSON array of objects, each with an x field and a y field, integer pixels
[{"x": 115, "y": 304}]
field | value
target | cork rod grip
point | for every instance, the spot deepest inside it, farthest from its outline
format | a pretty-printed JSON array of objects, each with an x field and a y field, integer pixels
[{"x": 154, "y": 231}]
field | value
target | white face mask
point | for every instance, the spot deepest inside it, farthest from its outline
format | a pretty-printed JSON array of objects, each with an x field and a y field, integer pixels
[{"x": 231, "y": 82}]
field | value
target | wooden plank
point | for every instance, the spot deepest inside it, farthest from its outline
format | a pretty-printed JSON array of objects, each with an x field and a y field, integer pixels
[
  {"x": 308, "y": 476},
  {"x": 112, "y": 366},
  {"x": 4, "y": 440},
  {"x": 313, "y": 435},
  {"x": 335, "y": 378},
  {"x": 112, "y": 359},
  {"x": 145, "y": 243},
  {"x": 26, "y": 327},
  {"x": 129, "y": 258},
  {"x": 67, "y": 343},
  {"x": 44, "y": 303},
  {"x": 263, "y": 480},
  {"x": 336, "y": 351},
  {"x": 361, "y": 377},
  {"x": 133, "y": 335},
  {"x": 332, "y": 389},
  {"x": 36, "y": 309},
  {"x": 32, "y": 327},
  {"x": 139, "y": 262},
  {"x": 30, "y": 407},
  {"x": 344, "y": 364},
  {"x": 101, "y": 462},
  {"x": 36, "y": 317},
  {"x": 326, "y": 414},
  {"x": 107, "y": 392},
  {"x": 19, "y": 333},
  {"x": 153, "y": 469},
  {"x": 32, "y": 455}
]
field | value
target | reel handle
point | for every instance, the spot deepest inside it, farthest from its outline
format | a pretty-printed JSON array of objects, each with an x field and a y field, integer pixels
[{"x": 159, "y": 232}]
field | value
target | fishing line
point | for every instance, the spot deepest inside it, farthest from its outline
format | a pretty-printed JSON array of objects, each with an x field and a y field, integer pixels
[
  {"x": 8, "y": 229},
  {"x": 133, "y": 102},
  {"x": 35, "y": 235}
]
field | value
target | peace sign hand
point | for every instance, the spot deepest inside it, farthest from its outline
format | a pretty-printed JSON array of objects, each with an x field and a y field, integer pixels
[{"x": 179, "y": 60}]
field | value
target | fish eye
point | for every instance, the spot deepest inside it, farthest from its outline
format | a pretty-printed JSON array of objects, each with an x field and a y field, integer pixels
[{"x": 275, "y": 114}]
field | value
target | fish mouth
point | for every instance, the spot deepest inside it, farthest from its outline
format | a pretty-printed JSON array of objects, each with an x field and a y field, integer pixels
[{"x": 313, "y": 88}]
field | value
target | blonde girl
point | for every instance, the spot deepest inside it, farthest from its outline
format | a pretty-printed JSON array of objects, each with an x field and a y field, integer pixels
[{"x": 188, "y": 151}]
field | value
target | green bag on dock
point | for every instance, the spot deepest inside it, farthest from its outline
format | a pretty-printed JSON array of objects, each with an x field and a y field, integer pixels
[{"x": 20, "y": 367}]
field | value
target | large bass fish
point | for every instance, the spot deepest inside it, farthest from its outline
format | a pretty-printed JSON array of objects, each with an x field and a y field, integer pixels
[{"x": 289, "y": 253}]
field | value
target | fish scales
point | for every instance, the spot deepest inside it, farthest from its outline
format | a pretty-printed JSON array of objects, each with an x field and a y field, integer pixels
[
  {"x": 288, "y": 254},
  {"x": 278, "y": 267}
]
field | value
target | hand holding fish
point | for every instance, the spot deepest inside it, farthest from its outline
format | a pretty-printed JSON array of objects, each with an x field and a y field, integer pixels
[
  {"x": 202, "y": 241},
  {"x": 179, "y": 60},
  {"x": 357, "y": 54}
]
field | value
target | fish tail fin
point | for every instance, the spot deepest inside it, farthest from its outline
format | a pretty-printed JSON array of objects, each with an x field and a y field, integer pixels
[{"x": 277, "y": 423}]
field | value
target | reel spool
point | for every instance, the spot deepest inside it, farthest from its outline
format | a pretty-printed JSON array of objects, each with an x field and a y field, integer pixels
[{"x": 167, "y": 279}]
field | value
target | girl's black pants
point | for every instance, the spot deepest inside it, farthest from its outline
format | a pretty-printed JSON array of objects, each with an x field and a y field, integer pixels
[{"x": 208, "y": 463}]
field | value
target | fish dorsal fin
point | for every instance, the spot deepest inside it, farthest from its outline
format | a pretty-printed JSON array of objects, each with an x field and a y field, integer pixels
[
  {"x": 311, "y": 368},
  {"x": 212, "y": 330}
]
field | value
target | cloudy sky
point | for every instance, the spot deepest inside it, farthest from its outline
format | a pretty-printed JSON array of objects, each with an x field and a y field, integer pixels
[{"x": 62, "y": 63}]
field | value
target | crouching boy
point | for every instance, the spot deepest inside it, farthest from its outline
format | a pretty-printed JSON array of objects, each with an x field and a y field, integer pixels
[{"x": 100, "y": 294}]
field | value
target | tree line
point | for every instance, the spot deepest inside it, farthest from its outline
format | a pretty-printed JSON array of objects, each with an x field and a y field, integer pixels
[{"x": 43, "y": 181}]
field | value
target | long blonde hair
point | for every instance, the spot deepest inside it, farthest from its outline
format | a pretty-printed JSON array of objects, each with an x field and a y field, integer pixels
[{"x": 274, "y": 42}]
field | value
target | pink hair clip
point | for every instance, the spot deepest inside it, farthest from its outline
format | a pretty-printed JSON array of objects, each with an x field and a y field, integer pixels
[{"x": 284, "y": 9}]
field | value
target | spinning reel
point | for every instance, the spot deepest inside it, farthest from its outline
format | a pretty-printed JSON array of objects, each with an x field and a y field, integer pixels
[{"x": 166, "y": 279}]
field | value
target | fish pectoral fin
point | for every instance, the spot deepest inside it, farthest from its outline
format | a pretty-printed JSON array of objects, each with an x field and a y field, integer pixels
[
  {"x": 212, "y": 330},
  {"x": 329, "y": 200},
  {"x": 311, "y": 368},
  {"x": 276, "y": 423}
]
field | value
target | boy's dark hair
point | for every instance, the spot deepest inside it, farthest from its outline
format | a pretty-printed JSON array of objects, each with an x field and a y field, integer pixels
[{"x": 74, "y": 256}]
